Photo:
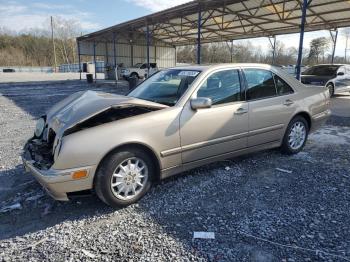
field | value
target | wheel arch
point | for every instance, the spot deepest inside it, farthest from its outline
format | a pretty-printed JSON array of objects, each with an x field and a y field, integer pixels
[
  {"x": 135, "y": 74},
  {"x": 330, "y": 82},
  {"x": 306, "y": 116},
  {"x": 131, "y": 145}
]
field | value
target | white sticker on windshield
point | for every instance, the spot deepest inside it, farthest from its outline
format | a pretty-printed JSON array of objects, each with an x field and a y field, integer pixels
[{"x": 188, "y": 73}]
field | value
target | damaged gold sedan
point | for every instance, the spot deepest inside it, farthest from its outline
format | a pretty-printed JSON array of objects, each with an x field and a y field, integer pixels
[{"x": 178, "y": 119}]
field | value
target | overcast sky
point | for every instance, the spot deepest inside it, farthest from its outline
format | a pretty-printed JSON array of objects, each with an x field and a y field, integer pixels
[{"x": 20, "y": 15}]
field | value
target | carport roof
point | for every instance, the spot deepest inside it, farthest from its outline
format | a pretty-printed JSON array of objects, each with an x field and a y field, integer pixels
[{"x": 230, "y": 20}]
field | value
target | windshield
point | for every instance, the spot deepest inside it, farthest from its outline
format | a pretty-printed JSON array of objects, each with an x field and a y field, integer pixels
[
  {"x": 324, "y": 70},
  {"x": 165, "y": 87}
]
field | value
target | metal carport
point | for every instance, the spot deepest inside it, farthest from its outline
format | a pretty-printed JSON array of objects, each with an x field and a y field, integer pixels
[{"x": 205, "y": 21}]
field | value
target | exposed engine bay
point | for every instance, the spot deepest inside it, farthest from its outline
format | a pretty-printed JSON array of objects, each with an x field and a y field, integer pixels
[
  {"x": 110, "y": 115},
  {"x": 42, "y": 152}
]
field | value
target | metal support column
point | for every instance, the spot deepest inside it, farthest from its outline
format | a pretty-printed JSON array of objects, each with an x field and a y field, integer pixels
[
  {"x": 148, "y": 44},
  {"x": 231, "y": 51},
  {"x": 175, "y": 55},
  {"x": 79, "y": 59},
  {"x": 199, "y": 36},
  {"x": 132, "y": 53},
  {"x": 114, "y": 51},
  {"x": 334, "y": 40},
  {"x": 106, "y": 54},
  {"x": 301, "y": 40},
  {"x": 95, "y": 61},
  {"x": 155, "y": 53},
  {"x": 273, "y": 45}
]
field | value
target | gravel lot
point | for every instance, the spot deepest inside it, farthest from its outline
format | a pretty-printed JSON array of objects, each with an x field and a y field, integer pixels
[{"x": 261, "y": 207}]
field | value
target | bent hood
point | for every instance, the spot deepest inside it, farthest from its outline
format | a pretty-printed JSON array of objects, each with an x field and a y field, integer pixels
[{"x": 83, "y": 105}]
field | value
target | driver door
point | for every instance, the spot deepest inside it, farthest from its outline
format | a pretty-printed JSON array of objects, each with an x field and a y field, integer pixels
[{"x": 220, "y": 129}]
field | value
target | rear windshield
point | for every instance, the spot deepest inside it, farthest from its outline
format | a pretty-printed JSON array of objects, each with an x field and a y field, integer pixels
[{"x": 324, "y": 70}]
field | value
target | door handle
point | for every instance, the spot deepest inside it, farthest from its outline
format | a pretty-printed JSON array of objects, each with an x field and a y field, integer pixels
[
  {"x": 288, "y": 102},
  {"x": 241, "y": 111}
]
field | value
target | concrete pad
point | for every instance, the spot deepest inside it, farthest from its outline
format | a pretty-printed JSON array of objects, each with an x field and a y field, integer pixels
[{"x": 17, "y": 77}]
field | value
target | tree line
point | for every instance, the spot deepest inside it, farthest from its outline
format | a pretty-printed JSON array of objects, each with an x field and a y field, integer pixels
[{"x": 35, "y": 47}]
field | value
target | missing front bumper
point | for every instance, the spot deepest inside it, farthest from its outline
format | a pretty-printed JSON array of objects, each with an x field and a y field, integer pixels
[{"x": 58, "y": 182}]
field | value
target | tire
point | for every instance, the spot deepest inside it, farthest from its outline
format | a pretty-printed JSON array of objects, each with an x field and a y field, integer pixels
[
  {"x": 330, "y": 87},
  {"x": 135, "y": 75},
  {"x": 297, "y": 124},
  {"x": 115, "y": 169}
]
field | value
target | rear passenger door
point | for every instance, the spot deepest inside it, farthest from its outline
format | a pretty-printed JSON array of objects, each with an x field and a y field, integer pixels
[{"x": 271, "y": 106}]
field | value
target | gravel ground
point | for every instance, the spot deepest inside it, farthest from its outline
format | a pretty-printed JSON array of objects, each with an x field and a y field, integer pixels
[{"x": 261, "y": 207}]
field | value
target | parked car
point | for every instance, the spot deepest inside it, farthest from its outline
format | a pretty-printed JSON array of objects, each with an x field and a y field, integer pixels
[
  {"x": 335, "y": 77},
  {"x": 176, "y": 120},
  {"x": 139, "y": 70},
  {"x": 8, "y": 70}
]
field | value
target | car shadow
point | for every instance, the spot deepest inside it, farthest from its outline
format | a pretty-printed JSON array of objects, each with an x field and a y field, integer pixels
[{"x": 37, "y": 210}]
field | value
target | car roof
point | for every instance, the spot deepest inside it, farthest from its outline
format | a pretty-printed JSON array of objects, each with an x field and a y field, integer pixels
[
  {"x": 220, "y": 66},
  {"x": 329, "y": 65}
]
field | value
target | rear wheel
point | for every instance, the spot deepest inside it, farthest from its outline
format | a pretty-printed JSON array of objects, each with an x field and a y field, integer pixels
[
  {"x": 124, "y": 177},
  {"x": 330, "y": 87},
  {"x": 296, "y": 135},
  {"x": 134, "y": 75}
]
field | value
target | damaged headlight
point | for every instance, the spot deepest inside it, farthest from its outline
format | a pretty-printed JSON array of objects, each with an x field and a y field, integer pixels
[{"x": 39, "y": 128}]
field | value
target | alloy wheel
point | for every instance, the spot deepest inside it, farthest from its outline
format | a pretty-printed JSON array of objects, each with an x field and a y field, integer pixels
[
  {"x": 297, "y": 135},
  {"x": 129, "y": 178}
]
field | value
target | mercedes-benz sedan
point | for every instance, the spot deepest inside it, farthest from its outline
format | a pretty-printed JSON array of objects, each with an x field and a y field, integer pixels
[{"x": 178, "y": 119}]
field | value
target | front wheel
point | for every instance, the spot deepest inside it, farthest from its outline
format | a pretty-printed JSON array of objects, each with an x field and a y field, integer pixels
[
  {"x": 135, "y": 75},
  {"x": 331, "y": 89},
  {"x": 124, "y": 177},
  {"x": 296, "y": 135}
]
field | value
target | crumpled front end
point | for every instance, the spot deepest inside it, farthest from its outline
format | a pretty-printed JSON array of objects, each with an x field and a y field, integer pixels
[
  {"x": 43, "y": 156},
  {"x": 38, "y": 160}
]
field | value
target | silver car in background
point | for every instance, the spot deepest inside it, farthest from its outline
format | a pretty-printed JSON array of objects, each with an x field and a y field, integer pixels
[
  {"x": 176, "y": 120},
  {"x": 336, "y": 77}
]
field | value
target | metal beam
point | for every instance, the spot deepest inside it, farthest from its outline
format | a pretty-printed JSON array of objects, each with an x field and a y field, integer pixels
[
  {"x": 199, "y": 35},
  {"x": 334, "y": 40},
  {"x": 114, "y": 51},
  {"x": 148, "y": 44},
  {"x": 273, "y": 46},
  {"x": 132, "y": 53},
  {"x": 95, "y": 60},
  {"x": 106, "y": 54},
  {"x": 79, "y": 60},
  {"x": 301, "y": 40}
]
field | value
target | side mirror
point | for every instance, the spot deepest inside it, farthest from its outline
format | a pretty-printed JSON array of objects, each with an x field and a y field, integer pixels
[
  {"x": 200, "y": 103},
  {"x": 340, "y": 73}
]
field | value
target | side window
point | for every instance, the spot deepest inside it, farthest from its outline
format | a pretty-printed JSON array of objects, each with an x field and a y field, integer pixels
[
  {"x": 260, "y": 84},
  {"x": 222, "y": 87},
  {"x": 144, "y": 66},
  {"x": 282, "y": 87}
]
